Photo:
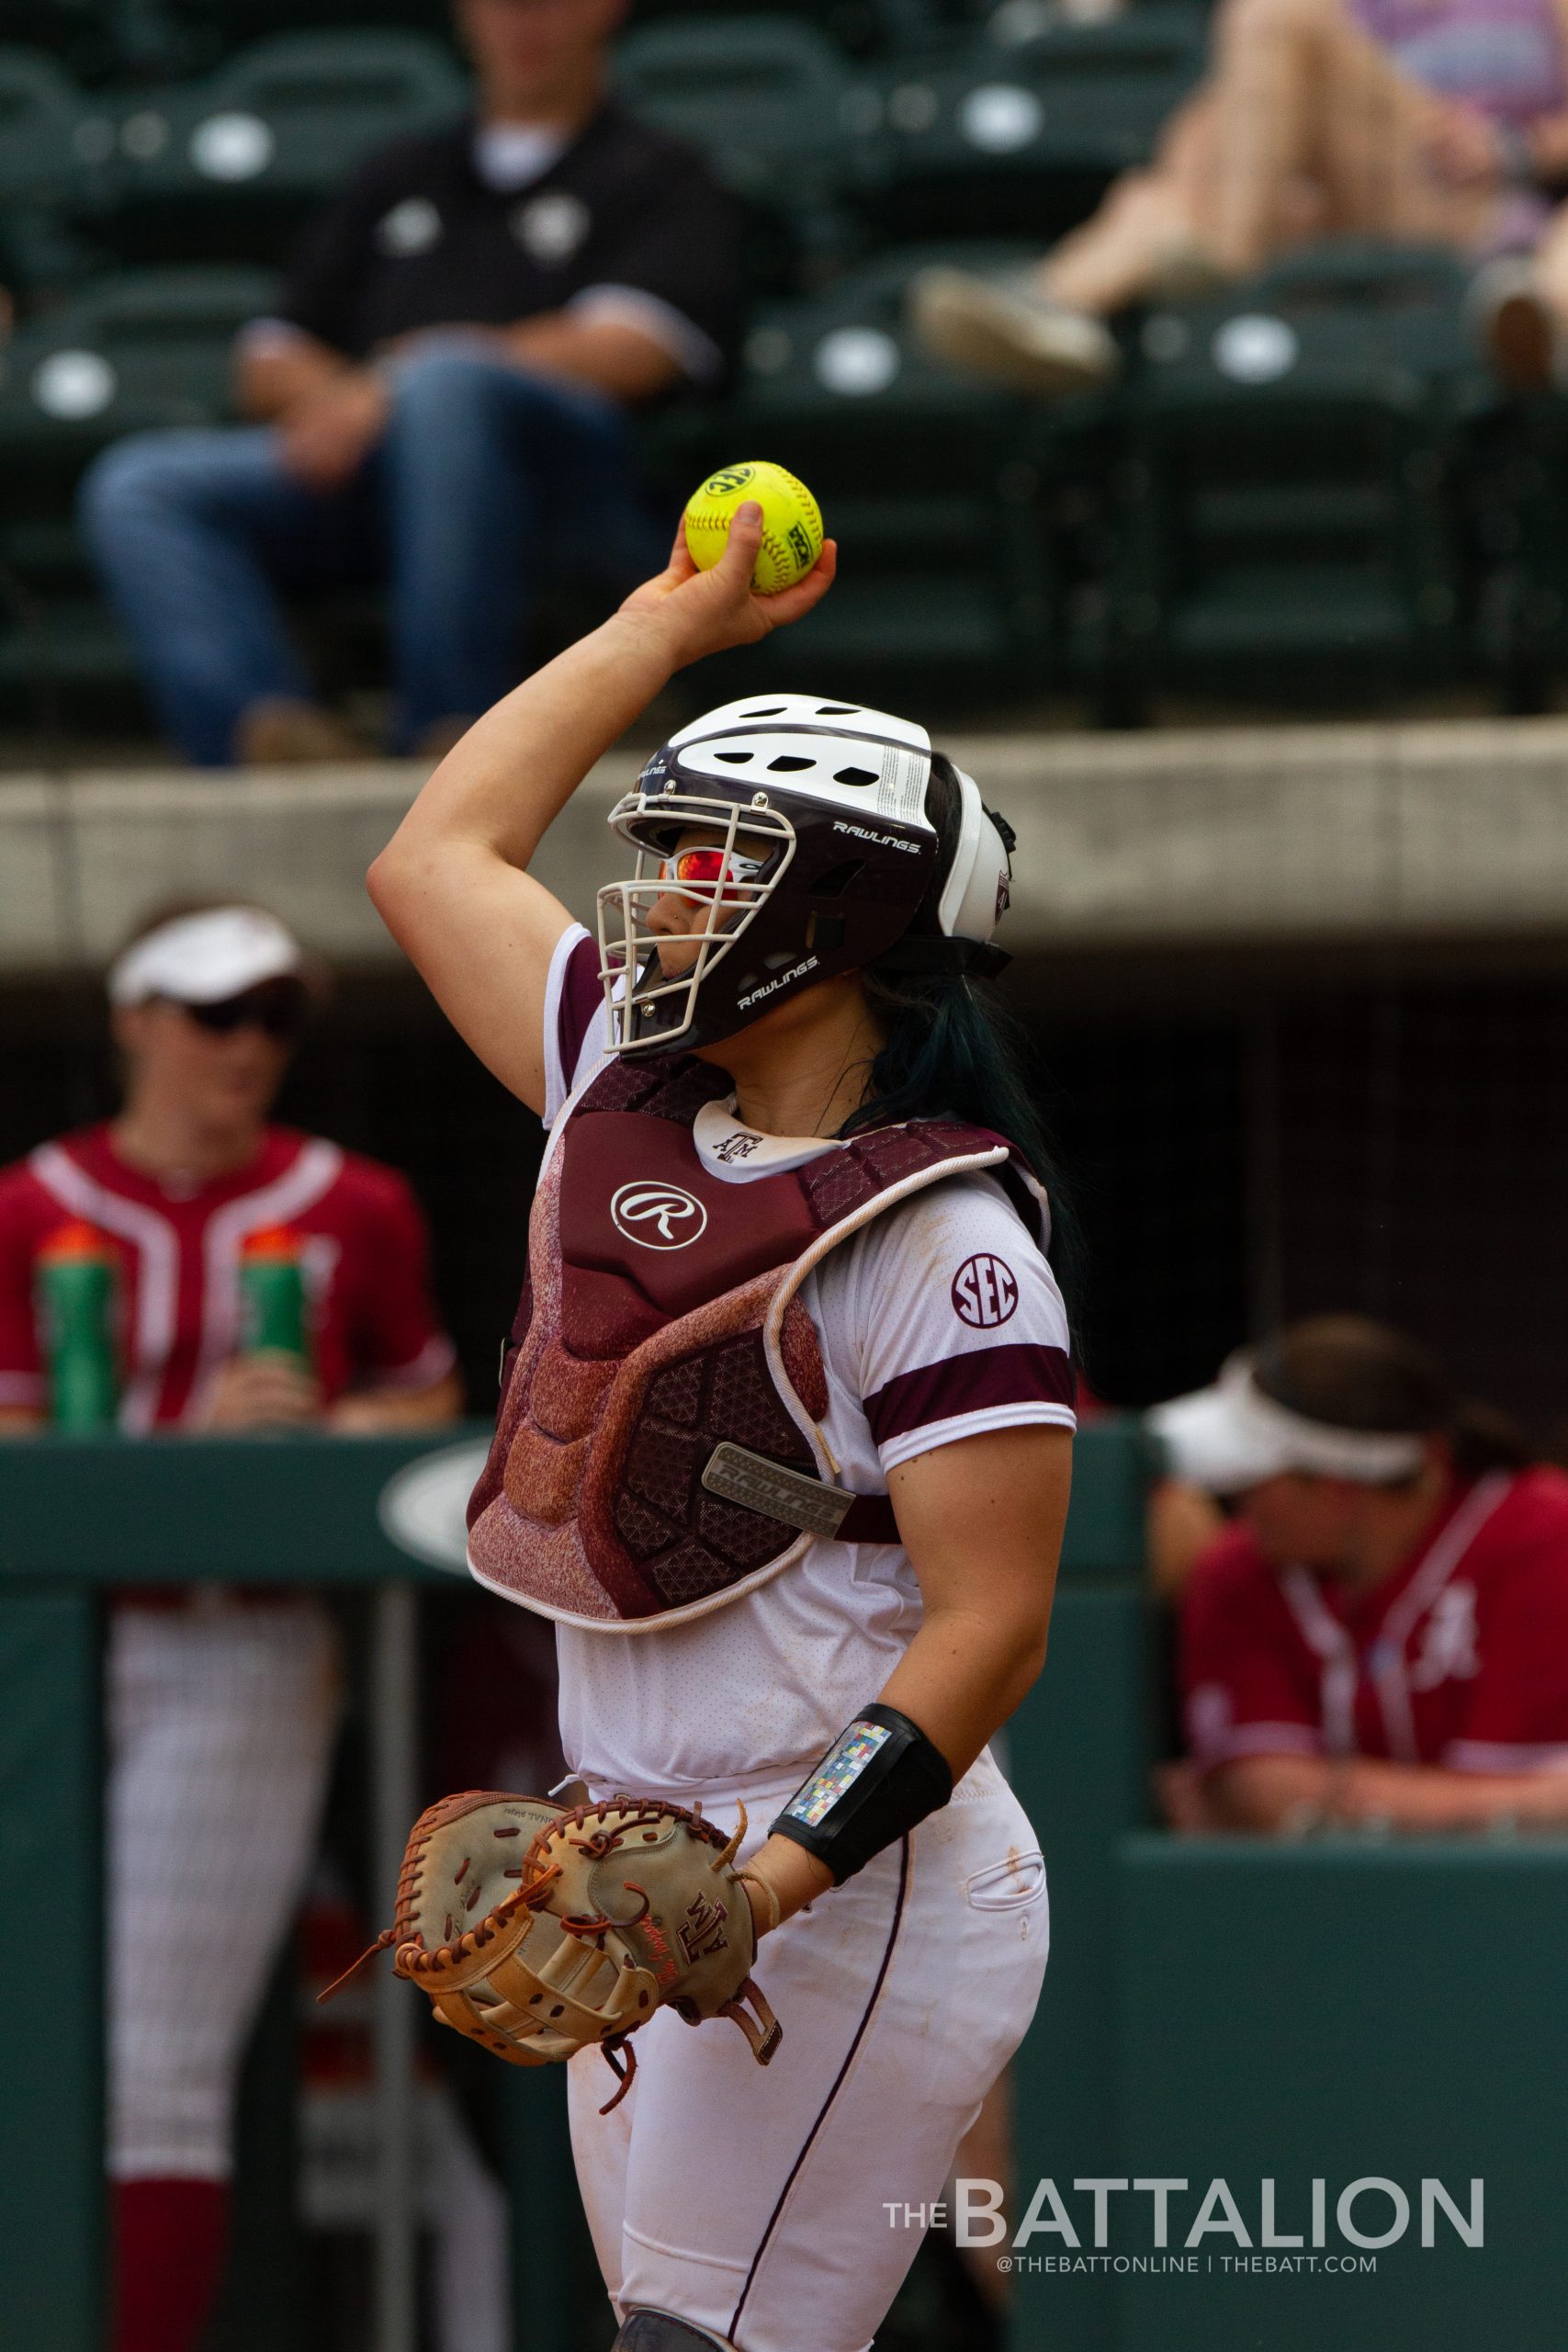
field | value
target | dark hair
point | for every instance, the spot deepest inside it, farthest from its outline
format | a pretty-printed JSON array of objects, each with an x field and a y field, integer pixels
[
  {"x": 952, "y": 1050},
  {"x": 1354, "y": 1373}
]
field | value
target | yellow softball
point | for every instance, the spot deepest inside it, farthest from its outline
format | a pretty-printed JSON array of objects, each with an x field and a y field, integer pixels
[{"x": 792, "y": 523}]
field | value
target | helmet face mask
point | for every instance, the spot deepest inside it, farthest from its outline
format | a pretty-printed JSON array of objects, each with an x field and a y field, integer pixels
[
  {"x": 658, "y": 1007},
  {"x": 830, "y": 799}
]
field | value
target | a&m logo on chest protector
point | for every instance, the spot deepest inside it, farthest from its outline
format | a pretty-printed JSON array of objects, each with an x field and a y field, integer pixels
[
  {"x": 659, "y": 1217},
  {"x": 985, "y": 1292}
]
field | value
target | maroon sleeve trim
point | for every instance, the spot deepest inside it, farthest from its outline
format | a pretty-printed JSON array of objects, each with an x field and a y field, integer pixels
[
  {"x": 1028, "y": 1372},
  {"x": 582, "y": 994}
]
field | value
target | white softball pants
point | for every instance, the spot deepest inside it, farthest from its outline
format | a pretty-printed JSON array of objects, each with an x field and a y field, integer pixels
[
  {"x": 221, "y": 1722},
  {"x": 754, "y": 2202}
]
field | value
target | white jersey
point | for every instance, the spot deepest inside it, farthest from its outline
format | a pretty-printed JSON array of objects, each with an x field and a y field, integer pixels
[{"x": 940, "y": 1321}]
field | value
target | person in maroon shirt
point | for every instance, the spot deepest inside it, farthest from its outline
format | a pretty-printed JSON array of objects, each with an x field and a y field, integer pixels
[
  {"x": 222, "y": 1705},
  {"x": 1382, "y": 1635}
]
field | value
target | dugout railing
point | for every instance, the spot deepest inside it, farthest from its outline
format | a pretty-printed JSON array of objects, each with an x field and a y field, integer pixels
[{"x": 1348, "y": 2011}]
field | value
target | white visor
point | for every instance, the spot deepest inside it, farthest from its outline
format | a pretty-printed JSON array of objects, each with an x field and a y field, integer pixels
[
  {"x": 1231, "y": 1436},
  {"x": 205, "y": 959}
]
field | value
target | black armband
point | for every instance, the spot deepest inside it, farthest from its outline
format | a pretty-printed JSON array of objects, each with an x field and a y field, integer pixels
[{"x": 880, "y": 1777}]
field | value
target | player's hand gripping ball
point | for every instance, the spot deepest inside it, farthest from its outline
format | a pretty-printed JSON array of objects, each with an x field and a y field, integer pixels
[{"x": 792, "y": 523}]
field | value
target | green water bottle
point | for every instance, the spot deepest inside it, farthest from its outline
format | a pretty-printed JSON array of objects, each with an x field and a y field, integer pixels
[
  {"x": 272, "y": 1294},
  {"x": 78, "y": 1283}
]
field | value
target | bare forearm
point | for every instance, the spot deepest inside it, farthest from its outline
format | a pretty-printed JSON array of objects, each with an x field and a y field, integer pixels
[
  {"x": 270, "y": 379},
  {"x": 609, "y": 357},
  {"x": 389, "y": 1409},
  {"x": 1279, "y": 1793},
  {"x": 517, "y": 767},
  {"x": 1548, "y": 142},
  {"x": 1426, "y": 1796},
  {"x": 604, "y": 354},
  {"x": 960, "y": 1679},
  {"x": 1264, "y": 1793},
  {"x": 452, "y": 886},
  {"x": 962, "y": 1676}
]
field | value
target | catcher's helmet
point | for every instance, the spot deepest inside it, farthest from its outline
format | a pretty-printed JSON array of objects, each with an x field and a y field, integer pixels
[{"x": 819, "y": 850}]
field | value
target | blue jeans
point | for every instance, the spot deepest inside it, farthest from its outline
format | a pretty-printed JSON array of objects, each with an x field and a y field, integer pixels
[{"x": 484, "y": 479}]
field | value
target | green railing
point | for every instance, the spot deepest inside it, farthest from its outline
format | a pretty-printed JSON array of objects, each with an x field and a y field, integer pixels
[{"x": 1227, "y": 2010}]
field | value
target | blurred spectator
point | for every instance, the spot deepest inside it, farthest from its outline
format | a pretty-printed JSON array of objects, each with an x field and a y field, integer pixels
[
  {"x": 221, "y": 1701},
  {"x": 444, "y": 393},
  {"x": 1442, "y": 121},
  {"x": 1383, "y": 1634},
  {"x": 1521, "y": 305},
  {"x": 1181, "y": 1521}
]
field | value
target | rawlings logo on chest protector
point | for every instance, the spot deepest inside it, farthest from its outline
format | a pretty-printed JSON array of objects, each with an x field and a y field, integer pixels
[
  {"x": 662, "y": 1341},
  {"x": 658, "y": 1216}
]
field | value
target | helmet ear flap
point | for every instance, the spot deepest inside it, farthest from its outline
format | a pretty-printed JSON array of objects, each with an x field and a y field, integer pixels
[{"x": 975, "y": 896}]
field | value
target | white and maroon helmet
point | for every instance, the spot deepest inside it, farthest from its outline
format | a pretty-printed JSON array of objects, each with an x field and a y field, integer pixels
[{"x": 820, "y": 853}]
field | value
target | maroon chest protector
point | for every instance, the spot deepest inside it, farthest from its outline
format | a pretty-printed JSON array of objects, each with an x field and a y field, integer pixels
[{"x": 660, "y": 1321}]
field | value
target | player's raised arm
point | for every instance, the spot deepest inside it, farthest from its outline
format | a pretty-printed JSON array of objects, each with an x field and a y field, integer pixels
[{"x": 453, "y": 886}]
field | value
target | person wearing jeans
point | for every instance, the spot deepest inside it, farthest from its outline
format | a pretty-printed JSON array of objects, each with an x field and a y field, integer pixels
[{"x": 444, "y": 401}]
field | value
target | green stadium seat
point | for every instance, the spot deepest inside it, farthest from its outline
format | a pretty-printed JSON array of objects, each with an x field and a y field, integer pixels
[
  {"x": 1286, "y": 484},
  {"x": 857, "y": 26},
  {"x": 174, "y": 41},
  {"x": 1520, "y": 486},
  {"x": 40, "y": 110},
  {"x": 230, "y": 167},
  {"x": 925, "y": 479},
  {"x": 79, "y": 34},
  {"x": 142, "y": 349},
  {"x": 995, "y": 137},
  {"x": 53, "y": 141},
  {"x": 790, "y": 127}
]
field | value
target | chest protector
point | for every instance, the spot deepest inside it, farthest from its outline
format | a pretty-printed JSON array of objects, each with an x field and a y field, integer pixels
[{"x": 660, "y": 1321}]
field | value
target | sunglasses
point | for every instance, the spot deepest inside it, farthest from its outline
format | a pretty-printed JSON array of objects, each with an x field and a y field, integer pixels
[
  {"x": 712, "y": 871},
  {"x": 279, "y": 1011}
]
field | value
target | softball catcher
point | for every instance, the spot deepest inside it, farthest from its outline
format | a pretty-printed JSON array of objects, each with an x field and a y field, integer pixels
[{"x": 783, "y": 1451}]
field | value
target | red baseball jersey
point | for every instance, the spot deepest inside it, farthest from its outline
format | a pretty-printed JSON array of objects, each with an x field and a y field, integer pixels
[
  {"x": 363, "y": 1248},
  {"x": 1460, "y": 1657}
]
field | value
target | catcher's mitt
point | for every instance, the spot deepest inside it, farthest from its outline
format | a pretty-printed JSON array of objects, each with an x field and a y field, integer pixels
[{"x": 536, "y": 1931}]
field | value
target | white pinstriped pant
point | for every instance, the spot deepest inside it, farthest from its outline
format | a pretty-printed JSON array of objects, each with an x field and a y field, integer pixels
[
  {"x": 221, "y": 1722},
  {"x": 753, "y": 2201}
]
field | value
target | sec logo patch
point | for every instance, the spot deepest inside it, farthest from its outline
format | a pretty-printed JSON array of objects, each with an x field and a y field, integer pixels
[
  {"x": 985, "y": 1292},
  {"x": 659, "y": 1217}
]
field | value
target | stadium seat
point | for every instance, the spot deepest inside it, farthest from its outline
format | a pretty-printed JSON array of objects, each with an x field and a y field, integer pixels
[
  {"x": 230, "y": 167},
  {"x": 1519, "y": 477},
  {"x": 925, "y": 479},
  {"x": 173, "y": 39},
  {"x": 79, "y": 34},
  {"x": 1286, "y": 484},
  {"x": 52, "y": 143},
  {"x": 40, "y": 109},
  {"x": 1001, "y": 138},
  {"x": 791, "y": 128},
  {"x": 857, "y": 26},
  {"x": 145, "y": 348}
]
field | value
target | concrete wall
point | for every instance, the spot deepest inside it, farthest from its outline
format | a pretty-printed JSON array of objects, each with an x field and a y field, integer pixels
[{"x": 1299, "y": 834}]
